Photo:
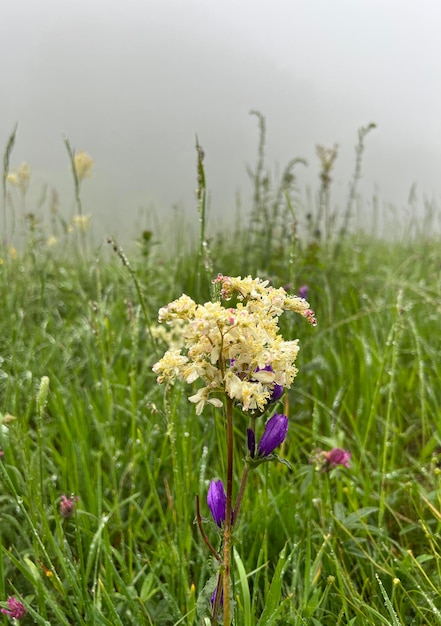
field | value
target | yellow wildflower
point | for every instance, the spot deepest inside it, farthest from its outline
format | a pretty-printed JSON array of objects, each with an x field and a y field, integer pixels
[
  {"x": 83, "y": 165},
  {"x": 20, "y": 177},
  {"x": 82, "y": 222}
]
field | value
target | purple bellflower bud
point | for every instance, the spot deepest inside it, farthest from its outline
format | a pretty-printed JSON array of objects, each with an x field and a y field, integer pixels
[
  {"x": 251, "y": 439},
  {"x": 274, "y": 434},
  {"x": 277, "y": 392},
  {"x": 303, "y": 291},
  {"x": 217, "y": 501}
]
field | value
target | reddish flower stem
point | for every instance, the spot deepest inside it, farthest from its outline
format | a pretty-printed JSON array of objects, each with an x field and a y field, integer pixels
[{"x": 228, "y": 514}]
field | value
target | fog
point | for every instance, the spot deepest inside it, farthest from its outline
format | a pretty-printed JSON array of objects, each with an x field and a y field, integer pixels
[{"x": 134, "y": 82}]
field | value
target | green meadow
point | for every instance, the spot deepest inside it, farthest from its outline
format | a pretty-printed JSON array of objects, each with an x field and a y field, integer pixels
[{"x": 101, "y": 466}]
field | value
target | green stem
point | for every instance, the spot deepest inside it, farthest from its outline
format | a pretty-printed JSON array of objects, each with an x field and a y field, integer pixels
[
  {"x": 228, "y": 516},
  {"x": 243, "y": 484}
]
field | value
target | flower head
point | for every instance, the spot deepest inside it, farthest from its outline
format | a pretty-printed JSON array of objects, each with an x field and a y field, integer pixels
[
  {"x": 217, "y": 501},
  {"x": 82, "y": 222},
  {"x": 83, "y": 165},
  {"x": 275, "y": 432},
  {"x": 15, "y": 609},
  {"x": 324, "y": 461},
  {"x": 237, "y": 351},
  {"x": 338, "y": 456},
  {"x": 20, "y": 177},
  {"x": 67, "y": 505}
]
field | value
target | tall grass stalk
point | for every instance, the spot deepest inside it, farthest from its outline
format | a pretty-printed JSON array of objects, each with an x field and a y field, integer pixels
[{"x": 6, "y": 165}]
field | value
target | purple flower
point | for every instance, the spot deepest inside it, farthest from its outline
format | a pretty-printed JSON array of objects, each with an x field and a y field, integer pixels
[
  {"x": 303, "y": 291},
  {"x": 277, "y": 392},
  {"x": 338, "y": 456},
  {"x": 67, "y": 505},
  {"x": 217, "y": 501},
  {"x": 274, "y": 434},
  {"x": 324, "y": 461},
  {"x": 213, "y": 597},
  {"x": 15, "y": 608},
  {"x": 251, "y": 439}
]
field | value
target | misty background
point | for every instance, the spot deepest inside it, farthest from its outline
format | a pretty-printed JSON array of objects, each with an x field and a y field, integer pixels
[{"x": 132, "y": 83}]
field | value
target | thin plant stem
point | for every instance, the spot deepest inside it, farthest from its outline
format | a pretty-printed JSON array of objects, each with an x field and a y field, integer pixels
[
  {"x": 228, "y": 516},
  {"x": 217, "y": 598},
  {"x": 203, "y": 533},
  {"x": 244, "y": 479},
  {"x": 125, "y": 261},
  {"x": 6, "y": 158},
  {"x": 71, "y": 153},
  {"x": 201, "y": 197},
  {"x": 243, "y": 484}
]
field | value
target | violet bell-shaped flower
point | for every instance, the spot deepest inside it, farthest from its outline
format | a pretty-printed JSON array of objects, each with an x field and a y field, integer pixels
[
  {"x": 217, "y": 501},
  {"x": 275, "y": 432}
]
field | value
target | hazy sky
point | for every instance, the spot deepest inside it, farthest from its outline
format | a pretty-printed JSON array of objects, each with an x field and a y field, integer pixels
[{"x": 133, "y": 82}]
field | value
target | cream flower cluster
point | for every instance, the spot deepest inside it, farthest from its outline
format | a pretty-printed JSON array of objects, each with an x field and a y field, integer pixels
[
  {"x": 83, "y": 165},
  {"x": 20, "y": 177},
  {"x": 234, "y": 350}
]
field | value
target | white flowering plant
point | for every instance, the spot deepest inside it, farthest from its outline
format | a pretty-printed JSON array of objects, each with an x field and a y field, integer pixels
[{"x": 234, "y": 347}]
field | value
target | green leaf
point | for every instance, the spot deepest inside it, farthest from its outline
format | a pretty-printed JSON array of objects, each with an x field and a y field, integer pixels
[
  {"x": 246, "y": 599},
  {"x": 272, "y": 605}
]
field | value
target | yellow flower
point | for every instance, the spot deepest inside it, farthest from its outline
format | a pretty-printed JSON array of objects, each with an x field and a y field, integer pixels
[
  {"x": 20, "y": 177},
  {"x": 83, "y": 165},
  {"x": 82, "y": 222},
  {"x": 52, "y": 241}
]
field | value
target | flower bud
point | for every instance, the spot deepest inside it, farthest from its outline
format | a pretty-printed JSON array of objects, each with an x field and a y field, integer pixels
[
  {"x": 217, "y": 501},
  {"x": 274, "y": 434}
]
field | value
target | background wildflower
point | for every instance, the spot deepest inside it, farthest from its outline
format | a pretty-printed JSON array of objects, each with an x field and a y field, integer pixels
[
  {"x": 303, "y": 291},
  {"x": 82, "y": 222},
  {"x": 67, "y": 505},
  {"x": 325, "y": 460},
  {"x": 15, "y": 609},
  {"x": 338, "y": 456},
  {"x": 83, "y": 163},
  {"x": 20, "y": 177}
]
